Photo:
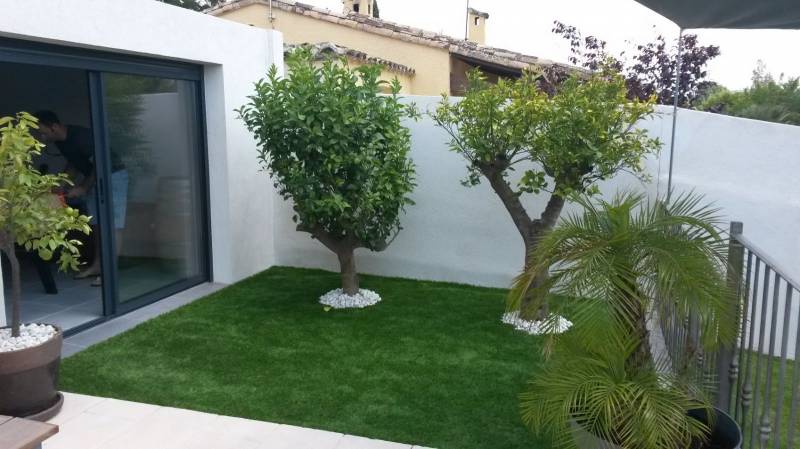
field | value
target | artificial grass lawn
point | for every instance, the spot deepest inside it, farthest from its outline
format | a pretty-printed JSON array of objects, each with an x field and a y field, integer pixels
[{"x": 430, "y": 365}]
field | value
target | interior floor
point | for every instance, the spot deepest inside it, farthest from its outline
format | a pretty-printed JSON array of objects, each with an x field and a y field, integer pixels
[{"x": 75, "y": 304}]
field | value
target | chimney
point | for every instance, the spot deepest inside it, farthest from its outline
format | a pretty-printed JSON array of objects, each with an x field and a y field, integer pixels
[
  {"x": 476, "y": 27},
  {"x": 366, "y": 7}
]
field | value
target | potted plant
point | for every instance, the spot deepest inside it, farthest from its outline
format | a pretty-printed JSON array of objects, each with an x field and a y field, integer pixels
[
  {"x": 613, "y": 265},
  {"x": 32, "y": 217}
]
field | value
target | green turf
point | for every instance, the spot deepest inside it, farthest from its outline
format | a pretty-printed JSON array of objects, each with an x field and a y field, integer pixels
[
  {"x": 783, "y": 398},
  {"x": 430, "y": 365}
]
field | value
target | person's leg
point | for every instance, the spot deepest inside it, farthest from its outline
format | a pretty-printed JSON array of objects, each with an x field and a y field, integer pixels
[
  {"x": 45, "y": 274},
  {"x": 95, "y": 267}
]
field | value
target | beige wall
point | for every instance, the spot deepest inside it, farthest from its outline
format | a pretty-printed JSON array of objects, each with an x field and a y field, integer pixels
[
  {"x": 405, "y": 79},
  {"x": 432, "y": 65},
  {"x": 477, "y": 33}
]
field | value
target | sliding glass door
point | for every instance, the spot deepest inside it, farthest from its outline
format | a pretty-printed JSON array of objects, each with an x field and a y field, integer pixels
[
  {"x": 141, "y": 126},
  {"x": 155, "y": 183}
]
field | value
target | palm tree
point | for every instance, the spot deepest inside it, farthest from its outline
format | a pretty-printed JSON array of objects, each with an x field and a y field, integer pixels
[{"x": 615, "y": 264}]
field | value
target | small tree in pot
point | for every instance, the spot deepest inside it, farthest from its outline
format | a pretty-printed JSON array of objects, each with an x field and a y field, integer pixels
[
  {"x": 337, "y": 148},
  {"x": 617, "y": 263},
  {"x": 31, "y": 217}
]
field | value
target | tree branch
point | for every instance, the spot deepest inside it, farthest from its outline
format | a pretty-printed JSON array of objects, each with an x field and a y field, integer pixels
[
  {"x": 320, "y": 234},
  {"x": 494, "y": 173},
  {"x": 547, "y": 220}
]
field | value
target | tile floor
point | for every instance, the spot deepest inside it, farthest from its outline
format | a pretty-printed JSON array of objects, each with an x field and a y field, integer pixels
[
  {"x": 76, "y": 303},
  {"x": 88, "y": 422}
]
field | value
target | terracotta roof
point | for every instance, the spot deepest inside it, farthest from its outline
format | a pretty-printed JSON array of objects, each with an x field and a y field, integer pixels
[
  {"x": 471, "y": 50},
  {"x": 324, "y": 50}
]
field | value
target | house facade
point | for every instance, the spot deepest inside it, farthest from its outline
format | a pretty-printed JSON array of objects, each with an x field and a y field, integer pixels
[
  {"x": 433, "y": 63},
  {"x": 150, "y": 89}
]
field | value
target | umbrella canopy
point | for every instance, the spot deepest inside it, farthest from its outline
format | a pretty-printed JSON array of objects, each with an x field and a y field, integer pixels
[{"x": 734, "y": 14}]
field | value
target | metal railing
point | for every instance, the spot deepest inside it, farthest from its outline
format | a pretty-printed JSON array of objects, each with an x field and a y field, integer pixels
[{"x": 757, "y": 381}]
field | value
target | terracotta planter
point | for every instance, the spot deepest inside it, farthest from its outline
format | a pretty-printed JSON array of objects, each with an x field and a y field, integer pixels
[
  {"x": 724, "y": 435},
  {"x": 28, "y": 380}
]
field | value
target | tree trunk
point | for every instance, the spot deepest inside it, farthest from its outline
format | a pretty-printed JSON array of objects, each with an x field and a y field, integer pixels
[
  {"x": 530, "y": 230},
  {"x": 16, "y": 287},
  {"x": 344, "y": 248},
  {"x": 526, "y": 311},
  {"x": 641, "y": 356},
  {"x": 539, "y": 229},
  {"x": 635, "y": 314},
  {"x": 347, "y": 264}
]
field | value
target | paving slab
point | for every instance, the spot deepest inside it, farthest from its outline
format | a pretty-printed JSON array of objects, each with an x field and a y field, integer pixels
[{"x": 88, "y": 422}]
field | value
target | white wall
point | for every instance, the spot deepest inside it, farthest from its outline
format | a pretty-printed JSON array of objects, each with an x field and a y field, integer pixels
[
  {"x": 461, "y": 234},
  {"x": 452, "y": 233},
  {"x": 233, "y": 56},
  {"x": 749, "y": 168}
]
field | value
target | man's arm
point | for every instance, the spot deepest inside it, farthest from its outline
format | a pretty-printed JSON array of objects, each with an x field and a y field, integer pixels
[{"x": 83, "y": 188}]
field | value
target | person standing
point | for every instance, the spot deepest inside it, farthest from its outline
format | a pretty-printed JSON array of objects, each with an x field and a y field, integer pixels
[{"x": 76, "y": 144}]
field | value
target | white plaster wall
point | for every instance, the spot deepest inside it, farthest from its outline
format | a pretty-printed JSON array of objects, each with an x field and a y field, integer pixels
[
  {"x": 233, "y": 56},
  {"x": 749, "y": 168},
  {"x": 460, "y": 234},
  {"x": 452, "y": 233}
]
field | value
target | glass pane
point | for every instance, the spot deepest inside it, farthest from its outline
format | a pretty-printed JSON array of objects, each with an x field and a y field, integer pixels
[
  {"x": 60, "y": 98},
  {"x": 155, "y": 182}
]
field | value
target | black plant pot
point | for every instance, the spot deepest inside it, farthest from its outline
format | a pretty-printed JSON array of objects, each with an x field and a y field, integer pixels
[
  {"x": 725, "y": 434},
  {"x": 28, "y": 380}
]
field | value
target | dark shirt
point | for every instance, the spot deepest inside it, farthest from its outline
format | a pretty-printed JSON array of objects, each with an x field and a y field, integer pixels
[{"x": 78, "y": 149}]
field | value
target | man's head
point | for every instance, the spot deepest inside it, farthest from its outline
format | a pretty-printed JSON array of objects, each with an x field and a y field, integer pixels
[{"x": 50, "y": 127}]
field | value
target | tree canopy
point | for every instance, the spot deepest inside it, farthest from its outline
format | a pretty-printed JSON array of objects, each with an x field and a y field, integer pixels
[
  {"x": 338, "y": 149},
  {"x": 562, "y": 141},
  {"x": 649, "y": 70}
]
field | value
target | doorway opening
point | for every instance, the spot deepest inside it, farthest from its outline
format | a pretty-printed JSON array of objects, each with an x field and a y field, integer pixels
[
  {"x": 48, "y": 295},
  {"x": 129, "y": 133}
]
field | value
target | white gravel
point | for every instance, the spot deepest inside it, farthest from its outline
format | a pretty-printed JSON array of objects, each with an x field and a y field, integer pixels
[
  {"x": 30, "y": 335},
  {"x": 339, "y": 300},
  {"x": 556, "y": 324}
]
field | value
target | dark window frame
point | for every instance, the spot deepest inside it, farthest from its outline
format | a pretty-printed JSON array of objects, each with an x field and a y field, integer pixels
[{"x": 96, "y": 63}]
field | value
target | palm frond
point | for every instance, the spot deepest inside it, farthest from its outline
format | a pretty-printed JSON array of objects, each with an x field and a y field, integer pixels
[{"x": 615, "y": 261}]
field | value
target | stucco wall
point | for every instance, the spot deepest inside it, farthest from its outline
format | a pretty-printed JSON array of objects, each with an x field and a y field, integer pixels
[
  {"x": 452, "y": 233},
  {"x": 748, "y": 167},
  {"x": 461, "y": 234},
  {"x": 431, "y": 64},
  {"x": 233, "y": 56}
]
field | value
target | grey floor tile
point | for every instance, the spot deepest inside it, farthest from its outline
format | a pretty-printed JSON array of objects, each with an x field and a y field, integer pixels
[
  {"x": 102, "y": 332},
  {"x": 35, "y": 311},
  {"x": 69, "y": 318},
  {"x": 118, "y": 325}
]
